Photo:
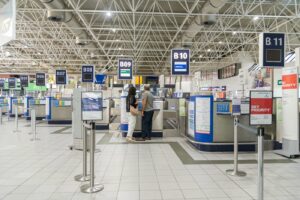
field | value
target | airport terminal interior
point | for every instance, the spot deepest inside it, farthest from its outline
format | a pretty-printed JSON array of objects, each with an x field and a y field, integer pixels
[{"x": 149, "y": 99}]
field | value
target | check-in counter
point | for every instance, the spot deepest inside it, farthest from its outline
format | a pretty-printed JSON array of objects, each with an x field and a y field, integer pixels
[
  {"x": 58, "y": 111},
  {"x": 4, "y": 105},
  {"x": 17, "y": 103},
  {"x": 104, "y": 124},
  {"x": 39, "y": 106},
  {"x": 210, "y": 125}
]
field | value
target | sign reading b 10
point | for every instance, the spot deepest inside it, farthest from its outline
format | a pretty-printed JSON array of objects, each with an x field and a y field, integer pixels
[
  {"x": 180, "y": 61},
  {"x": 271, "y": 49},
  {"x": 125, "y": 69}
]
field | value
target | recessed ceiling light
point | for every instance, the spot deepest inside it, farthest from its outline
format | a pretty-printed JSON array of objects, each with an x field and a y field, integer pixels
[
  {"x": 220, "y": 42},
  {"x": 208, "y": 50},
  {"x": 120, "y": 48},
  {"x": 200, "y": 56},
  {"x": 234, "y": 33},
  {"x": 113, "y": 30},
  {"x": 118, "y": 40},
  {"x": 39, "y": 53},
  {"x": 255, "y": 18},
  {"x": 108, "y": 14}
]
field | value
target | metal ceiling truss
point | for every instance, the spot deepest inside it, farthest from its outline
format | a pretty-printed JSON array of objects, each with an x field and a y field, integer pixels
[{"x": 145, "y": 30}]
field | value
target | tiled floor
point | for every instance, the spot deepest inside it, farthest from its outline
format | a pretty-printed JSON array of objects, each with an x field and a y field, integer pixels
[{"x": 45, "y": 169}]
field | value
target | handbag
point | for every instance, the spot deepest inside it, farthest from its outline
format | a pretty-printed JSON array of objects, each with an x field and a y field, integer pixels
[{"x": 134, "y": 111}]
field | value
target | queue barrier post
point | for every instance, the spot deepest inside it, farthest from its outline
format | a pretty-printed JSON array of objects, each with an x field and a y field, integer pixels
[
  {"x": 92, "y": 187},
  {"x": 16, "y": 120},
  {"x": 84, "y": 176},
  {"x": 260, "y": 162}
]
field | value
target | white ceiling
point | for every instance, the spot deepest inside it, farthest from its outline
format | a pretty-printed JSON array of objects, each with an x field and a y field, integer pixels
[{"x": 145, "y": 30}]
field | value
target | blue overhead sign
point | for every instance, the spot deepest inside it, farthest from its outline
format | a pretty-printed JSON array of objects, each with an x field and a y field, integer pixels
[
  {"x": 180, "y": 61},
  {"x": 40, "y": 79},
  {"x": 61, "y": 77},
  {"x": 12, "y": 83},
  {"x": 271, "y": 49},
  {"x": 24, "y": 80},
  {"x": 88, "y": 74},
  {"x": 125, "y": 67}
]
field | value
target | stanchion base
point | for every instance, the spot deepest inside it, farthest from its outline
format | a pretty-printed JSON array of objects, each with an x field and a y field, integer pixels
[
  {"x": 87, "y": 189},
  {"x": 231, "y": 172},
  {"x": 81, "y": 178},
  {"x": 16, "y": 131}
]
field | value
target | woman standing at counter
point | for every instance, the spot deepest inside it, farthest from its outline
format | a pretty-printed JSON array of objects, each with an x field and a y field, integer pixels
[{"x": 131, "y": 107}]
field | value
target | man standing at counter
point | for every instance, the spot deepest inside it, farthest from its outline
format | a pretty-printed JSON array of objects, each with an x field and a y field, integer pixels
[{"x": 147, "y": 113}]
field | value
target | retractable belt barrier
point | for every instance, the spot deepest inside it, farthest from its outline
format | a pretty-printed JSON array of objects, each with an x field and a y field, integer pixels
[
  {"x": 33, "y": 125},
  {"x": 259, "y": 131},
  {"x": 91, "y": 187},
  {"x": 16, "y": 120}
]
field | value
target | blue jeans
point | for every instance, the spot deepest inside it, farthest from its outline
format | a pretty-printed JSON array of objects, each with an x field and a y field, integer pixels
[{"x": 147, "y": 123}]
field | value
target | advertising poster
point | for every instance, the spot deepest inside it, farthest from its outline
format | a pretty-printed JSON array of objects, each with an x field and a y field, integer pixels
[
  {"x": 125, "y": 67},
  {"x": 290, "y": 110},
  {"x": 261, "y": 79},
  {"x": 191, "y": 122},
  {"x": 91, "y": 106},
  {"x": 203, "y": 115},
  {"x": 261, "y": 105},
  {"x": 180, "y": 61}
]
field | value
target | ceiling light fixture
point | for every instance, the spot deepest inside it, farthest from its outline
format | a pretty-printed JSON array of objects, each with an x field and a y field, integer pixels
[
  {"x": 200, "y": 56},
  {"x": 208, "y": 50},
  {"x": 234, "y": 33},
  {"x": 220, "y": 42},
  {"x": 120, "y": 48},
  {"x": 255, "y": 18},
  {"x": 114, "y": 30},
  {"x": 108, "y": 14}
]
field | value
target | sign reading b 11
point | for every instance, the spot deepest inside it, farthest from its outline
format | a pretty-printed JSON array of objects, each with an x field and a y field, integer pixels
[
  {"x": 271, "y": 49},
  {"x": 180, "y": 61},
  {"x": 125, "y": 69}
]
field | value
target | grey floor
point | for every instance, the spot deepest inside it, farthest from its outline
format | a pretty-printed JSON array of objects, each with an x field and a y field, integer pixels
[{"x": 156, "y": 170}]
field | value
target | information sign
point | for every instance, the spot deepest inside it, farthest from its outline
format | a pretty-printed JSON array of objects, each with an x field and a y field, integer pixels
[
  {"x": 24, "y": 79},
  {"x": 40, "y": 79},
  {"x": 92, "y": 106},
  {"x": 2, "y": 83},
  {"x": 61, "y": 77},
  {"x": 261, "y": 107},
  {"x": 180, "y": 61},
  {"x": 272, "y": 49},
  {"x": 12, "y": 83},
  {"x": 88, "y": 73},
  {"x": 125, "y": 67},
  {"x": 236, "y": 106}
]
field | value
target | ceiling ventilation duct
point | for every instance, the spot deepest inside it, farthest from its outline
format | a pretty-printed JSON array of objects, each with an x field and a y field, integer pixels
[
  {"x": 209, "y": 18},
  {"x": 67, "y": 18}
]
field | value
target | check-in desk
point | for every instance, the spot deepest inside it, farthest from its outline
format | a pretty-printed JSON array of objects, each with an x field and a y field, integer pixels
[
  {"x": 16, "y": 103},
  {"x": 39, "y": 106},
  {"x": 59, "y": 111},
  {"x": 213, "y": 130},
  {"x": 4, "y": 105}
]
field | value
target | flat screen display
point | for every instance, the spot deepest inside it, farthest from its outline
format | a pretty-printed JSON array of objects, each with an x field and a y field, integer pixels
[
  {"x": 88, "y": 77},
  {"x": 273, "y": 55}
]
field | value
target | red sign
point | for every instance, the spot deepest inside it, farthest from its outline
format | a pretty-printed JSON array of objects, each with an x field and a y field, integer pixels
[
  {"x": 289, "y": 81},
  {"x": 261, "y": 107}
]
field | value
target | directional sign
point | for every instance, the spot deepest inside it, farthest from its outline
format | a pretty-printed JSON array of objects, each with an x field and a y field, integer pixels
[
  {"x": 61, "y": 77},
  {"x": 2, "y": 83},
  {"x": 88, "y": 74},
  {"x": 12, "y": 82},
  {"x": 180, "y": 61},
  {"x": 125, "y": 69},
  {"x": 24, "y": 80},
  {"x": 40, "y": 79},
  {"x": 271, "y": 49}
]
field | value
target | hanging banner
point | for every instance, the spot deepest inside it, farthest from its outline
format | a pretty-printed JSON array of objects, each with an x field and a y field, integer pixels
[
  {"x": 261, "y": 107},
  {"x": 8, "y": 22},
  {"x": 290, "y": 110},
  {"x": 180, "y": 61},
  {"x": 24, "y": 79},
  {"x": 12, "y": 83},
  {"x": 2, "y": 83},
  {"x": 125, "y": 67},
  {"x": 87, "y": 74},
  {"x": 61, "y": 77},
  {"x": 40, "y": 79}
]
